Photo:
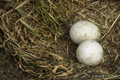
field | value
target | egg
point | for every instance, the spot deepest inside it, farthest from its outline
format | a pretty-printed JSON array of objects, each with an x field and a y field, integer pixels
[
  {"x": 89, "y": 52},
  {"x": 84, "y": 30}
]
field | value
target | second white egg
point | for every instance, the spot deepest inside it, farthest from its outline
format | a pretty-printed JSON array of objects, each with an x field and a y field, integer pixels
[{"x": 89, "y": 52}]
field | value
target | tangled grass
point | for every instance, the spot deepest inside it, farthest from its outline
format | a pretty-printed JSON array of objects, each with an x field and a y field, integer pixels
[{"x": 36, "y": 35}]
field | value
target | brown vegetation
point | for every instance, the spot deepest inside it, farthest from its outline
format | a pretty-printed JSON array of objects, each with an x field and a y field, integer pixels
[{"x": 35, "y": 37}]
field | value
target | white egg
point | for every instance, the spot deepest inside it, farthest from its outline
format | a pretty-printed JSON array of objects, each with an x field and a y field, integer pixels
[
  {"x": 84, "y": 30},
  {"x": 89, "y": 52}
]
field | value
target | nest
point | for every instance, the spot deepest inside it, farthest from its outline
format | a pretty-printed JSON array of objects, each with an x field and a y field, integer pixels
[{"x": 36, "y": 35}]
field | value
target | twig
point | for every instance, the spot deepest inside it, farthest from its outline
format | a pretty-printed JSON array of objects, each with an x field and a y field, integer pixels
[
  {"x": 23, "y": 3},
  {"x": 88, "y": 19},
  {"x": 110, "y": 28}
]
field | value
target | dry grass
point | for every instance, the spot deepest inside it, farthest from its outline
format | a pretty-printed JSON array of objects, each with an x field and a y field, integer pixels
[{"x": 36, "y": 35}]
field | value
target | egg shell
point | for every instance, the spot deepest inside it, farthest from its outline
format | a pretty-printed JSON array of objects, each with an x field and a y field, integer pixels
[
  {"x": 89, "y": 52},
  {"x": 84, "y": 30}
]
